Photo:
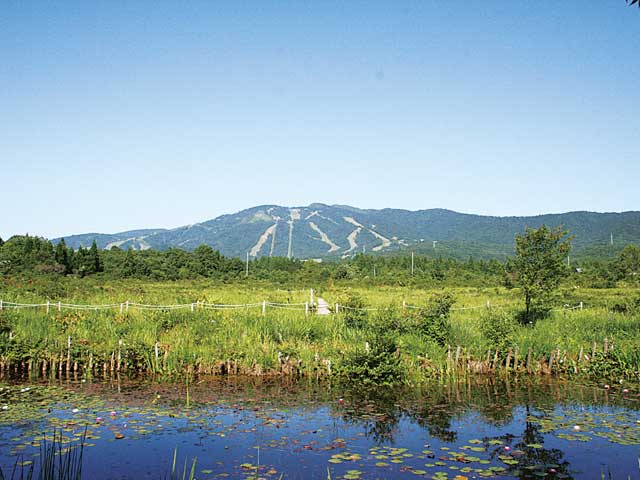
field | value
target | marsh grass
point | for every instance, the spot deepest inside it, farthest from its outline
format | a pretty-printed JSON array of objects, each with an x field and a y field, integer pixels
[
  {"x": 286, "y": 342},
  {"x": 54, "y": 461},
  {"x": 185, "y": 474}
]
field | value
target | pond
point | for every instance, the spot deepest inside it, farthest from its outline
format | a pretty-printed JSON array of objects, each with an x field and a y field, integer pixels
[{"x": 272, "y": 429}]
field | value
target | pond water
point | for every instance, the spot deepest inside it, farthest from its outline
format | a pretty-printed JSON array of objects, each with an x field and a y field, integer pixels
[{"x": 241, "y": 429}]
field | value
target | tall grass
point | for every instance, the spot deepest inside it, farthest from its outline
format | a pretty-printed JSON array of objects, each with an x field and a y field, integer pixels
[
  {"x": 286, "y": 342},
  {"x": 54, "y": 462}
]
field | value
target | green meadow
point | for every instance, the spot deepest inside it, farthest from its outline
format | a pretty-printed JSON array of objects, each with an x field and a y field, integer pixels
[{"x": 378, "y": 334}]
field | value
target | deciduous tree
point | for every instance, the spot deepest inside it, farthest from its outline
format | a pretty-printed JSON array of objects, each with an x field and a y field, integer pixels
[{"x": 539, "y": 264}]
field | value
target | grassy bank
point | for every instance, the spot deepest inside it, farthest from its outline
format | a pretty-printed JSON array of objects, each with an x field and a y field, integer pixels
[{"x": 397, "y": 332}]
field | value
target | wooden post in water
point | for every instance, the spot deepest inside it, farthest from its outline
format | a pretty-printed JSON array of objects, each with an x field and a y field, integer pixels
[
  {"x": 68, "y": 353},
  {"x": 119, "y": 355},
  {"x": 579, "y": 359}
]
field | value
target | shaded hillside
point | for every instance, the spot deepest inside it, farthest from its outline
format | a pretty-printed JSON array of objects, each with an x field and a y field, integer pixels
[{"x": 320, "y": 230}]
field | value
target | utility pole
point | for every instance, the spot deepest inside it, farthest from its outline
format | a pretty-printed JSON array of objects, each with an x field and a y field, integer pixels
[
  {"x": 246, "y": 272},
  {"x": 412, "y": 263}
]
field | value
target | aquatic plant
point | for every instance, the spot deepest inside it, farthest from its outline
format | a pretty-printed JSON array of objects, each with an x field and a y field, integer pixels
[
  {"x": 54, "y": 461},
  {"x": 184, "y": 475}
]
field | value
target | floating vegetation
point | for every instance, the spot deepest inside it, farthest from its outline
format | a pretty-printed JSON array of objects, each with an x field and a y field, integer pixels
[{"x": 275, "y": 430}]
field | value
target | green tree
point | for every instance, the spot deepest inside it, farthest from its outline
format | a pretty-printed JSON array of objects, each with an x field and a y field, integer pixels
[
  {"x": 539, "y": 265},
  {"x": 206, "y": 261},
  {"x": 62, "y": 256},
  {"x": 93, "y": 261},
  {"x": 128, "y": 266},
  {"x": 80, "y": 262},
  {"x": 628, "y": 262}
]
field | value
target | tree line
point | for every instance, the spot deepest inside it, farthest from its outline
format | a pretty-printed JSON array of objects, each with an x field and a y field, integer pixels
[{"x": 29, "y": 255}]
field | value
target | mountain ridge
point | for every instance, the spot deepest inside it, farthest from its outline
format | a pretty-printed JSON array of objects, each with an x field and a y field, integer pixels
[{"x": 319, "y": 230}]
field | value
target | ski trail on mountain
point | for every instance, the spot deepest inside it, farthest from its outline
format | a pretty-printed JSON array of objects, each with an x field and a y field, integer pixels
[
  {"x": 325, "y": 238},
  {"x": 385, "y": 241},
  {"x": 294, "y": 214},
  {"x": 273, "y": 239},
  {"x": 262, "y": 240}
]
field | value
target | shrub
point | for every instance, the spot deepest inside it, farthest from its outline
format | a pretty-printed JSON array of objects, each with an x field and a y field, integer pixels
[
  {"x": 615, "y": 365},
  {"x": 354, "y": 311},
  {"x": 536, "y": 312},
  {"x": 387, "y": 321},
  {"x": 378, "y": 363},
  {"x": 432, "y": 320},
  {"x": 498, "y": 328},
  {"x": 628, "y": 307}
]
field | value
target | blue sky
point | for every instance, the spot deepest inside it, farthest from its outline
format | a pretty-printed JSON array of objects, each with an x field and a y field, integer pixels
[{"x": 120, "y": 115}]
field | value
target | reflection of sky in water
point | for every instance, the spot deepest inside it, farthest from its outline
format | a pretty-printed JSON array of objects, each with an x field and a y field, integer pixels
[{"x": 303, "y": 434}]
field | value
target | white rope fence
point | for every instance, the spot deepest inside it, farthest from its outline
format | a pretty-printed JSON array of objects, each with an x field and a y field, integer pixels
[{"x": 302, "y": 306}]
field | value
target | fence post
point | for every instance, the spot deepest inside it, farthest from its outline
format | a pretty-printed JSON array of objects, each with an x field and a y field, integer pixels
[
  {"x": 48, "y": 304},
  {"x": 127, "y": 306},
  {"x": 192, "y": 306},
  {"x": 264, "y": 308},
  {"x": 306, "y": 309},
  {"x": 580, "y": 305},
  {"x": 121, "y": 307},
  {"x": 404, "y": 305},
  {"x": 337, "y": 309},
  {"x": 59, "y": 306},
  {"x": 311, "y": 296},
  {"x": 488, "y": 304},
  {"x": 0, "y": 305}
]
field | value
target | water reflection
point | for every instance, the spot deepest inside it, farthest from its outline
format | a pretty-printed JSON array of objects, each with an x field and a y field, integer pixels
[{"x": 479, "y": 427}]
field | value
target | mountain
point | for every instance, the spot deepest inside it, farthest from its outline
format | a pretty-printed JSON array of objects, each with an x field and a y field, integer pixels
[{"x": 320, "y": 230}]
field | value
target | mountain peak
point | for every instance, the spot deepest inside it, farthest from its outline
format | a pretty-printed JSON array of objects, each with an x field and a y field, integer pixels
[{"x": 320, "y": 230}]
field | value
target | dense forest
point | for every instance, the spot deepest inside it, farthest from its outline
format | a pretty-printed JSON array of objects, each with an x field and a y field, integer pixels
[{"x": 29, "y": 256}]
